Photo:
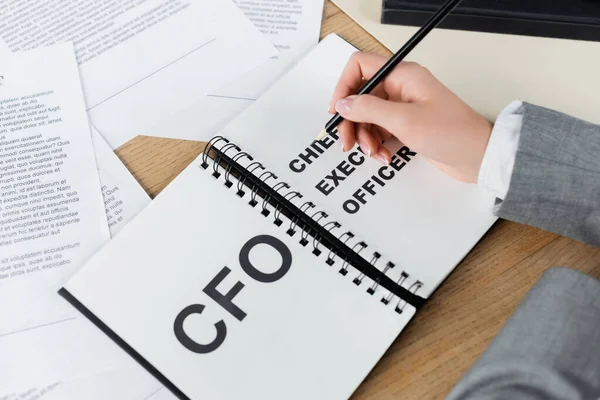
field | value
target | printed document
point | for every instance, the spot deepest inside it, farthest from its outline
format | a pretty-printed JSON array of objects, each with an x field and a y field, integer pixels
[
  {"x": 52, "y": 218},
  {"x": 52, "y": 215},
  {"x": 293, "y": 26},
  {"x": 114, "y": 384},
  {"x": 140, "y": 61},
  {"x": 123, "y": 195}
]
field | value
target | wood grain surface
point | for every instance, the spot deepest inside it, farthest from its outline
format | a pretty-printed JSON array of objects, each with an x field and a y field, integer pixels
[{"x": 463, "y": 316}]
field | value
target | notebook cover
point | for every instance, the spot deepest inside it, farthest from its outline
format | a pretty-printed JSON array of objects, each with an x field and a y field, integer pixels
[{"x": 121, "y": 343}]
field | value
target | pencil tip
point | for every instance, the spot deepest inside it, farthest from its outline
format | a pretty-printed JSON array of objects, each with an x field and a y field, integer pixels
[{"x": 321, "y": 135}]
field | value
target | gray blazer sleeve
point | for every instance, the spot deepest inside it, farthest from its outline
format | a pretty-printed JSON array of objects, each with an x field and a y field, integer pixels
[
  {"x": 555, "y": 184},
  {"x": 549, "y": 349}
]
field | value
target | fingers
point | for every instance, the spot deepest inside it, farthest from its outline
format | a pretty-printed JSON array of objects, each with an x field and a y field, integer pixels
[
  {"x": 374, "y": 118},
  {"x": 376, "y": 133},
  {"x": 347, "y": 135},
  {"x": 388, "y": 115},
  {"x": 369, "y": 140},
  {"x": 383, "y": 155},
  {"x": 361, "y": 66},
  {"x": 382, "y": 133},
  {"x": 368, "y": 143}
]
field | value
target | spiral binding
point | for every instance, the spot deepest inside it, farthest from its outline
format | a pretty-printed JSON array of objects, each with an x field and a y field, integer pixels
[{"x": 343, "y": 246}]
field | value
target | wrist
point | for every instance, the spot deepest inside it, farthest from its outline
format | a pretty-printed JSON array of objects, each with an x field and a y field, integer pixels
[{"x": 484, "y": 135}]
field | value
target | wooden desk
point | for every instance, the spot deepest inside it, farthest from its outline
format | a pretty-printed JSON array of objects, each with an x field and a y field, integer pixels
[{"x": 463, "y": 316}]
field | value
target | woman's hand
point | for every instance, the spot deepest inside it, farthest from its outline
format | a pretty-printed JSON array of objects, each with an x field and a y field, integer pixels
[{"x": 412, "y": 105}]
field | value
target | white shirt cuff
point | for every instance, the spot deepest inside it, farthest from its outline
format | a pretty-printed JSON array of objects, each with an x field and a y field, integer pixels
[{"x": 499, "y": 158}]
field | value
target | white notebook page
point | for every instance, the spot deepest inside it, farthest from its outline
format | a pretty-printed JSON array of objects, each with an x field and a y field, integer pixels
[
  {"x": 311, "y": 334},
  {"x": 421, "y": 219}
]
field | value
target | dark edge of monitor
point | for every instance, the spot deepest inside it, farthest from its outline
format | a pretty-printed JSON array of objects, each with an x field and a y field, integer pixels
[{"x": 512, "y": 26}]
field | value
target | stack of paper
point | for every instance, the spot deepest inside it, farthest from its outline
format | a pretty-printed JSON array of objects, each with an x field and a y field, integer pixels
[
  {"x": 52, "y": 218},
  {"x": 78, "y": 79}
]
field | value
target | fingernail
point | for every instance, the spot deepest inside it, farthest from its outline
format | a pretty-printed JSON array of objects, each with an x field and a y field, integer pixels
[
  {"x": 365, "y": 147},
  {"x": 342, "y": 145},
  {"x": 382, "y": 159},
  {"x": 343, "y": 106}
]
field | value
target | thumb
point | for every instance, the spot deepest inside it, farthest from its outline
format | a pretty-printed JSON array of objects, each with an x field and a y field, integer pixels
[{"x": 374, "y": 110}]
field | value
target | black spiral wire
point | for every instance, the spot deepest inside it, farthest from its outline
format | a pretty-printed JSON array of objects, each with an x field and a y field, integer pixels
[{"x": 268, "y": 199}]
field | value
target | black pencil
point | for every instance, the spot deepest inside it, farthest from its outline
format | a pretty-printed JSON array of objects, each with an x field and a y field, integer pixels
[{"x": 395, "y": 60}]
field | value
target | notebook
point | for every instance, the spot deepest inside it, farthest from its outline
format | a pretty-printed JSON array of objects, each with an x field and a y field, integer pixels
[{"x": 277, "y": 267}]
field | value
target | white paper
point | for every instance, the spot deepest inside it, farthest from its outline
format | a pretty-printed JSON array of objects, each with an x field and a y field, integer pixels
[
  {"x": 69, "y": 348},
  {"x": 44, "y": 123},
  {"x": 123, "y": 196},
  {"x": 52, "y": 215},
  {"x": 420, "y": 218},
  {"x": 140, "y": 61},
  {"x": 293, "y": 26},
  {"x": 127, "y": 383},
  {"x": 57, "y": 352},
  {"x": 153, "y": 271}
]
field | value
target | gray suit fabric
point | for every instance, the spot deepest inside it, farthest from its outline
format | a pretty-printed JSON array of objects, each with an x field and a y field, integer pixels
[
  {"x": 555, "y": 184},
  {"x": 550, "y": 347}
]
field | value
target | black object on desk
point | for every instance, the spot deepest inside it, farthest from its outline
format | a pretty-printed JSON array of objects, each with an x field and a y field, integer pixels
[{"x": 569, "y": 19}]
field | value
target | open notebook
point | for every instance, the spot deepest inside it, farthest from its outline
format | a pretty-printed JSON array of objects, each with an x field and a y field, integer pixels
[{"x": 282, "y": 268}]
